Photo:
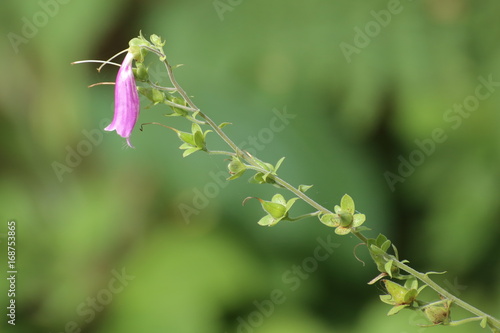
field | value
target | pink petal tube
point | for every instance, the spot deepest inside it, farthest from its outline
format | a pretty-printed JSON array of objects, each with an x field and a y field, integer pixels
[{"x": 126, "y": 101}]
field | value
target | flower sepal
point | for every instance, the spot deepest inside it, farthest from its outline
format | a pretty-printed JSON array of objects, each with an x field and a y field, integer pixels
[
  {"x": 345, "y": 219},
  {"x": 276, "y": 209}
]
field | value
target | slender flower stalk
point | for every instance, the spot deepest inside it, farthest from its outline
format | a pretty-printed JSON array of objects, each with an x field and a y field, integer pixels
[
  {"x": 345, "y": 218},
  {"x": 126, "y": 101}
]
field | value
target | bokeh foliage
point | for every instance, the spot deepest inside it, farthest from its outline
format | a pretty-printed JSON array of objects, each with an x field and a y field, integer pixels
[{"x": 119, "y": 208}]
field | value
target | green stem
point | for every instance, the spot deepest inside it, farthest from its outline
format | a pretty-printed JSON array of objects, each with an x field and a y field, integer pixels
[
  {"x": 440, "y": 290},
  {"x": 220, "y": 152},
  {"x": 254, "y": 165}
]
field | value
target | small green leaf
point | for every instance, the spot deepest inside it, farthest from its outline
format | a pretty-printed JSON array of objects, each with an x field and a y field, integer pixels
[
  {"x": 376, "y": 250},
  {"x": 410, "y": 296},
  {"x": 276, "y": 210},
  {"x": 345, "y": 219},
  {"x": 278, "y": 198},
  {"x": 224, "y": 124},
  {"x": 386, "y": 299},
  {"x": 358, "y": 220},
  {"x": 290, "y": 203},
  {"x": 342, "y": 231},
  {"x": 187, "y": 137},
  {"x": 266, "y": 221},
  {"x": 484, "y": 322},
  {"x": 188, "y": 152},
  {"x": 236, "y": 175},
  {"x": 347, "y": 204},
  {"x": 380, "y": 239},
  {"x": 304, "y": 188},
  {"x": 331, "y": 220},
  {"x": 396, "y": 253},
  {"x": 278, "y": 164},
  {"x": 397, "y": 291},
  {"x": 388, "y": 267},
  {"x": 385, "y": 245},
  {"x": 396, "y": 309},
  {"x": 195, "y": 128},
  {"x": 257, "y": 178},
  {"x": 199, "y": 140},
  {"x": 236, "y": 166}
]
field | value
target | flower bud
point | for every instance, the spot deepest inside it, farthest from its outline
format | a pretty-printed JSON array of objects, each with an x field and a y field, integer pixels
[{"x": 438, "y": 314}]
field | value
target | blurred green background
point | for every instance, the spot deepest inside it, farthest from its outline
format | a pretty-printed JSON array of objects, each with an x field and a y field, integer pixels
[{"x": 359, "y": 102}]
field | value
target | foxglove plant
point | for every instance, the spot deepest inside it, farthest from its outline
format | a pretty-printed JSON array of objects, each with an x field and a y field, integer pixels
[
  {"x": 126, "y": 101},
  {"x": 344, "y": 218}
]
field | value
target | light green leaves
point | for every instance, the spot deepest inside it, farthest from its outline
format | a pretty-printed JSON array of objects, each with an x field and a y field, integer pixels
[
  {"x": 267, "y": 176},
  {"x": 401, "y": 296},
  {"x": 345, "y": 219},
  {"x": 236, "y": 168},
  {"x": 276, "y": 209},
  {"x": 378, "y": 250}
]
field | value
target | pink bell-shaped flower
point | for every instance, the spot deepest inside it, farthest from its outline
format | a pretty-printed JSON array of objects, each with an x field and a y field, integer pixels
[{"x": 126, "y": 101}]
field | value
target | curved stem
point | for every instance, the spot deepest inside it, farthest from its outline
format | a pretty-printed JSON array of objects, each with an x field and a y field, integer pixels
[{"x": 254, "y": 165}]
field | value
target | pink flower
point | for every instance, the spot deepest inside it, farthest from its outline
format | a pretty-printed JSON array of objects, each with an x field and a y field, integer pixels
[{"x": 126, "y": 101}]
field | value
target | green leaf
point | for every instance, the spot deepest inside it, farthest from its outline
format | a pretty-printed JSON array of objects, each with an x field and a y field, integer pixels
[
  {"x": 236, "y": 166},
  {"x": 385, "y": 245},
  {"x": 278, "y": 198},
  {"x": 342, "y": 231},
  {"x": 396, "y": 290},
  {"x": 276, "y": 210},
  {"x": 304, "y": 188},
  {"x": 396, "y": 309},
  {"x": 358, "y": 219},
  {"x": 224, "y": 124},
  {"x": 257, "y": 178},
  {"x": 380, "y": 239},
  {"x": 410, "y": 296},
  {"x": 195, "y": 128},
  {"x": 278, "y": 164},
  {"x": 411, "y": 283},
  {"x": 290, "y": 203},
  {"x": 188, "y": 152},
  {"x": 199, "y": 140},
  {"x": 236, "y": 175},
  {"x": 484, "y": 322},
  {"x": 187, "y": 137},
  {"x": 266, "y": 221},
  {"x": 388, "y": 267},
  {"x": 345, "y": 219},
  {"x": 386, "y": 299},
  {"x": 331, "y": 220},
  {"x": 347, "y": 204},
  {"x": 376, "y": 250}
]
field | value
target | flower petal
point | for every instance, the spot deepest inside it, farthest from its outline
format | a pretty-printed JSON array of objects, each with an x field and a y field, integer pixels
[{"x": 126, "y": 101}]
